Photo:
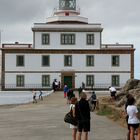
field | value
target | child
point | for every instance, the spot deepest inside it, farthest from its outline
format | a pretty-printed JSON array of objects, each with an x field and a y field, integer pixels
[
  {"x": 65, "y": 91},
  {"x": 34, "y": 96}
]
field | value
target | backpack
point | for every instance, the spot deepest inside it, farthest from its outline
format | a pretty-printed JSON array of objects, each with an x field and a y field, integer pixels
[{"x": 93, "y": 97}]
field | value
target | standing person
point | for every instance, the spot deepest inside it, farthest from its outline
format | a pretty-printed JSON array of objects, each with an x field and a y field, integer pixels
[
  {"x": 53, "y": 86},
  {"x": 133, "y": 121},
  {"x": 83, "y": 85},
  {"x": 65, "y": 90},
  {"x": 113, "y": 92},
  {"x": 59, "y": 85},
  {"x": 72, "y": 107},
  {"x": 80, "y": 91},
  {"x": 70, "y": 94},
  {"x": 82, "y": 112},
  {"x": 40, "y": 95},
  {"x": 126, "y": 116},
  {"x": 56, "y": 84},
  {"x": 34, "y": 96}
]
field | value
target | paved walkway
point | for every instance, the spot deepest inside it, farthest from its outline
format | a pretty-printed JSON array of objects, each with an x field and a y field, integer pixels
[{"x": 44, "y": 121}]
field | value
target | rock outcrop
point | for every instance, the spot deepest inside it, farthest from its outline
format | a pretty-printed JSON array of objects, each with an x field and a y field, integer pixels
[
  {"x": 132, "y": 86},
  {"x": 115, "y": 110}
]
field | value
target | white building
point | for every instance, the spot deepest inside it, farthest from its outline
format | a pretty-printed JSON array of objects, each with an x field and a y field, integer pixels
[{"x": 69, "y": 49}]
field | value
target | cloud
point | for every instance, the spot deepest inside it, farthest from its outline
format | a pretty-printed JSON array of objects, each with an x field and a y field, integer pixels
[
  {"x": 16, "y": 11},
  {"x": 18, "y": 16},
  {"x": 112, "y": 13},
  {"x": 120, "y": 19}
]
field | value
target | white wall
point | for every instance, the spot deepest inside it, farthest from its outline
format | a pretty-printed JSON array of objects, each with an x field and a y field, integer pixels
[
  {"x": 101, "y": 79},
  {"x": 31, "y": 79},
  {"x": 33, "y": 62},
  {"x": 55, "y": 41},
  {"x": 33, "y": 70},
  {"x": 34, "y": 79}
]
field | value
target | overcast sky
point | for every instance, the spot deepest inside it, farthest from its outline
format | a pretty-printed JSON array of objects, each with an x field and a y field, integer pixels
[{"x": 119, "y": 18}]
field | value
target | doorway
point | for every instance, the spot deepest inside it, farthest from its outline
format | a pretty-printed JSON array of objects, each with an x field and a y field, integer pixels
[
  {"x": 68, "y": 78},
  {"x": 68, "y": 81}
]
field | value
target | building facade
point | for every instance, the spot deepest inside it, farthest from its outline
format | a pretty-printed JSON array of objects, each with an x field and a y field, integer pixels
[{"x": 69, "y": 49}]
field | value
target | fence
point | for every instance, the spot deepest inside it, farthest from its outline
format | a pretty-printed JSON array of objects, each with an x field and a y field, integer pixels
[{"x": 39, "y": 86}]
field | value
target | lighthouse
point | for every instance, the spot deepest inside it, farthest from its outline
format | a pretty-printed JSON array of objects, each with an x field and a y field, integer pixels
[
  {"x": 67, "y": 4},
  {"x": 67, "y": 12},
  {"x": 68, "y": 49}
]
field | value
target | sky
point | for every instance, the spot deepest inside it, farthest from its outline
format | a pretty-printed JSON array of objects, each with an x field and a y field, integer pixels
[{"x": 119, "y": 18}]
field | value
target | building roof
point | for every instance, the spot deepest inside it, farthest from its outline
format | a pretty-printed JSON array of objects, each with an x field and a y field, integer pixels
[{"x": 40, "y": 27}]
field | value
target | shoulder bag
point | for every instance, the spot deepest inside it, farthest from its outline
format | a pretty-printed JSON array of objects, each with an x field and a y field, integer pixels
[{"x": 70, "y": 119}]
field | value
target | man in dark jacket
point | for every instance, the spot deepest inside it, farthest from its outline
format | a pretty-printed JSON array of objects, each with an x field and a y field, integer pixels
[
  {"x": 93, "y": 101},
  {"x": 82, "y": 112}
]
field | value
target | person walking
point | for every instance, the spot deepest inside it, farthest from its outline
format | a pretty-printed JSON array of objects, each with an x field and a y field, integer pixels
[
  {"x": 73, "y": 101},
  {"x": 82, "y": 113},
  {"x": 93, "y": 101},
  {"x": 34, "y": 96},
  {"x": 133, "y": 120},
  {"x": 40, "y": 95}
]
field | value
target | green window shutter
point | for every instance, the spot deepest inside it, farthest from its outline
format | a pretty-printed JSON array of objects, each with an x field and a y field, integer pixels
[{"x": 45, "y": 80}]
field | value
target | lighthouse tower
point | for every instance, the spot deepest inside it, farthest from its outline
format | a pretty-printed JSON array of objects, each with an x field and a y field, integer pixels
[{"x": 67, "y": 12}]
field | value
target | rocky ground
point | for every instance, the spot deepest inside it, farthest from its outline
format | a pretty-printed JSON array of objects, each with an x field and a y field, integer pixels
[
  {"x": 132, "y": 86},
  {"x": 116, "y": 109}
]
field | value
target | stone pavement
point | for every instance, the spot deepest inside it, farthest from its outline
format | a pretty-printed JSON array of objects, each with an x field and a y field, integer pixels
[{"x": 44, "y": 121}]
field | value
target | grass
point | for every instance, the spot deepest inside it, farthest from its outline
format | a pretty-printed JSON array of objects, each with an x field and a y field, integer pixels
[
  {"x": 105, "y": 111},
  {"x": 110, "y": 112}
]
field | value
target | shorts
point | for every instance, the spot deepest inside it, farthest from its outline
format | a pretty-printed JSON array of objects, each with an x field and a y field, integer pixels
[
  {"x": 113, "y": 93},
  {"x": 83, "y": 126},
  {"x": 65, "y": 94},
  {"x": 135, "y": 126},
  {"x": 73, "y": 126}
]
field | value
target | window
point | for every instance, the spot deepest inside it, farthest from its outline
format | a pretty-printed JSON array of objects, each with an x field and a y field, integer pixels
[
  {"x": 45, "y": 80},
  {"x": 67, "y": 39},
  {"x": 20, "y": 60},
  {"x": 115, "y": 80},
  {"x": 90, "y": 80},
  {"x": 45, "y": 39},
  {"x": 115, "y": 60},
  {"x": 45, "y": 60},
  {"x": 20, "y": 81},
  {"x": 90, "y": 39},
  {"x": 90, "y": 60},
  {"x": 67, "y": 60}
]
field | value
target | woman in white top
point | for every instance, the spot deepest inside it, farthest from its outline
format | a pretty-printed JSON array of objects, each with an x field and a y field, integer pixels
[
  {"x": 133, "y": 121},
  {"x": 73, "y": 101}
]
